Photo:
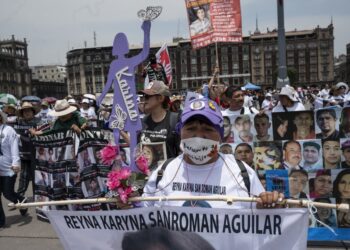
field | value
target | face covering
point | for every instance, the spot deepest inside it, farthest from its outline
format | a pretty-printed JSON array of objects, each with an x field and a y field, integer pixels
[{"x": 199, "y": 150}]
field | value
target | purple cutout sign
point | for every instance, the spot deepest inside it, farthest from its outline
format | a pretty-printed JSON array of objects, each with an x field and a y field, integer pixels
[{"x": 125, "y": 115}]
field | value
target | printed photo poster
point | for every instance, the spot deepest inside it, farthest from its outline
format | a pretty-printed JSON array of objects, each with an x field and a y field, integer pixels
[
  {"x": 92, "y": 172},
  {"x": 327, "y": 123},
  {"x": 343, "y": 217},
  {"x": 298, "y": 125},
  {"x": 268, "y": 155},
  {"x": 241, "y": 128},
  {"x": 324, "y": 216},
  {"x": 54, "y": 154},
  {"x": 155, "y": 154},
  {"x": 262, "y": 127},
  {"x": 214, "y": 21},
  {"x": 345, "y": 152},
  {"x": 242, "y": 151},
  {"x": 312, "y": 153}
]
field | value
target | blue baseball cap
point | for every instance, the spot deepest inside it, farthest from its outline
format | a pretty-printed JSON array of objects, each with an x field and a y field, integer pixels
[{"x": 205, "y": 109}]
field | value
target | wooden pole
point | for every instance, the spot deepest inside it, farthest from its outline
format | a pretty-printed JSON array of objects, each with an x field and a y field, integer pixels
[{"x": 229, "y": 199}]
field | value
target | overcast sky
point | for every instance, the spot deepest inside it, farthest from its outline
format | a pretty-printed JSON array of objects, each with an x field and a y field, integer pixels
[{"x": 54, "y": 27}]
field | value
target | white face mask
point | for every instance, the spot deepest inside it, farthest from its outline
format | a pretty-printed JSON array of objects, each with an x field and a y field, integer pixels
[{"x": 198, "y": 149}]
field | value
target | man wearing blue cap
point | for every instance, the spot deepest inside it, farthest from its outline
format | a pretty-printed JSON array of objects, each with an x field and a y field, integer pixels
[{"x": 201, "y": 170}]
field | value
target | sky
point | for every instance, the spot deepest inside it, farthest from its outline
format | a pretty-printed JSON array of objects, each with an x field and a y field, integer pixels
[{"x": 54, "y": 27}]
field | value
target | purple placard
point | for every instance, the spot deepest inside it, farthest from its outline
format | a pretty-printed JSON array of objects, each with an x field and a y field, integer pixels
[{"x": 125, "y": 115}]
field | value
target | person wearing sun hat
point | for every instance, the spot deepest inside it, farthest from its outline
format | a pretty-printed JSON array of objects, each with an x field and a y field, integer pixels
[
  {"x": 288, "y": 101},
  {"x": 67, "y": 118},
  {"x": 10, "y": 110},
  {"x": 201, "y": 131},
  {"x": 26, "y": 121}
]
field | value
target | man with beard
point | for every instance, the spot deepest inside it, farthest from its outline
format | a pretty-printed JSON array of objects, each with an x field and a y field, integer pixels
[
  {"x": 291, "y": 155},
  {"x": 326, "y": 120},
  {"x": 235, "y": 97}
]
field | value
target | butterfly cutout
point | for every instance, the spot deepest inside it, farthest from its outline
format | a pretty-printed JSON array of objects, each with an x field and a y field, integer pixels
[
  {"x": 151, "y": 13},
  {"x": 118, "y": 119}
]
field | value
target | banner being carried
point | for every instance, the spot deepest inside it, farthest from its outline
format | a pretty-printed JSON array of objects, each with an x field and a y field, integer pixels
[
  {"x": 220, "y": 228},
  {"x": 214, "y": 21}
]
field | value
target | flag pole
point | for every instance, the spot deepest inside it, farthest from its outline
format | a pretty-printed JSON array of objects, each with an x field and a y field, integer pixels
[{"x": 228, "y": 199}]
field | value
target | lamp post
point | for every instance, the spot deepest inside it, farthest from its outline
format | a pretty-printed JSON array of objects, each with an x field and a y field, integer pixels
[{"x": 282, "y": 78}]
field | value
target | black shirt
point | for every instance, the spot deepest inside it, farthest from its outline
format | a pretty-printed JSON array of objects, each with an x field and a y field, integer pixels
[{"x": 163, "y": 131}]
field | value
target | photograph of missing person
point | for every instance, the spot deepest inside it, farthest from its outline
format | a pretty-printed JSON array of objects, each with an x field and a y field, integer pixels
[
  {"x": 226, "y": 148},
  {"x": 263, "y": 127},
  {"x": 228, "y": 133},
  {"x": 341, "y": 183},
  {"x": 344, "y": 123},
  {"x": 58, "y": 180},
  {"x": 345, "y": 150},
  {"x": 242, "y": 128},
  {"x": 324, "y": 216},
  {"x": 267, "y": 155},
  {"x": 244, "y": 152},
  {"x": 343, "y": 217},
  {"x": 73, "y": 179},
  {"x": 41, "y": 154},
  {"x": 69, "y": 153},
  {"x": 282, "y": 126},
  {"x": 42, "y": 178},
  {"x": 291, "y": 155},
  {"x": 303, "y": 125},
  {"x": 51, "y": 158},
  {"x": 320, "y": 184},
  {"x": 91, "y": 187},
  {"x": 312, "y": 155},
  {"x": 331, "y": 153},
  {"x": 327, "y": 121},
  {"x": 155, "y": 154},
  {"x": 84, "y": 158},
  {"x": 298, "y": 184},
  {"x": 199, "y": 17}
]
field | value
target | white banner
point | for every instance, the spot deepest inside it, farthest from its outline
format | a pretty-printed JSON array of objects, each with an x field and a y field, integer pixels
[{"x": 222, "y": 228}]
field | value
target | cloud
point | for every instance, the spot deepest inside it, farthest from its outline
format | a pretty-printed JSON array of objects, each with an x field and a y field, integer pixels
[{"x": 54, "y": 27}]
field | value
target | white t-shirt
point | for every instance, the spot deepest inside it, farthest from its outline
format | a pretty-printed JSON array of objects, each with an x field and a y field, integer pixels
[
  {"x": 246, "y": 111},
  {"x": 89, "y": 115},
  {"x": 297, "y": 106},
  {"x": 222, "y": 177}
]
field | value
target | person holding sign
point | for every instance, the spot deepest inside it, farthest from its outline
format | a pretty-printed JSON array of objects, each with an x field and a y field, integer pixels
[{"x": 201, "y": 169}]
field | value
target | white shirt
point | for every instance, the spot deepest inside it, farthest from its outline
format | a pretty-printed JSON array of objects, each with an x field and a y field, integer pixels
[
  {"x": 44, "y": 115},
  {"x": 297, "y": 106},
  {"x": 89, "y": 115},
  {"x": 222, "y": 177},
  {"x": 266, "y": 104},
  {"x": 9, "y": 149},
  {"x": 246, "y": 111}
]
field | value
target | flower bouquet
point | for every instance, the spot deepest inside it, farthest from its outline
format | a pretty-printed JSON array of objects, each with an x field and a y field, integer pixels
[{"x": 121, "y": 181}]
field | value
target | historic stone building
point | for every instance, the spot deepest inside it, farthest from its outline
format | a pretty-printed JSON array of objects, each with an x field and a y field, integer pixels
[
  {"x": 309, "y": 55},
  {"x": 15, "y": 74},
  {"x": 49, "y": 73}
]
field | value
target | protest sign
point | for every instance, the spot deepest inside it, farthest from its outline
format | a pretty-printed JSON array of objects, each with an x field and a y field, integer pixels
[
  {"x": 163, "y": 58},
  {"x": 222, "y": 228},
  {"x": 214, "y": 21}
]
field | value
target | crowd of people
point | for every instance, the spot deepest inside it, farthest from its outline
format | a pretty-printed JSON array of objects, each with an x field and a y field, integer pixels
[{"x": 197, "y": 133}]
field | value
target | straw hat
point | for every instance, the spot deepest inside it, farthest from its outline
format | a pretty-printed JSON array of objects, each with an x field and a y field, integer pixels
[
  {"x": 9, "y": 106},
  {"x": 62, "y": 107},
  {"x": 27, "y": 105}
]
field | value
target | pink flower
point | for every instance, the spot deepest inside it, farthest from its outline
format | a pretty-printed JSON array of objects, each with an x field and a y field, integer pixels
[
  {"x": 124, "y": 193},
  {"x": 113, "y": 180},
  {"x": 108, "y": 154},
  {"x": 142, "y": 164},
  {"x": 124, "y": 173}
]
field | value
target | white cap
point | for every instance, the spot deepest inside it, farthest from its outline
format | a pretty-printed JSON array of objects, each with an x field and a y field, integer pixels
[
  {"x": 85, "y": 101},
  {"x": 290, "y": 92}
]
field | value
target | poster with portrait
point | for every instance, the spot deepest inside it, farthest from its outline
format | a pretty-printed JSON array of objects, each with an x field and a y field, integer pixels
[
  {"x": 327, "y": 123},
  {"x": 262, "y": 127},
  {"x": 312, "y": 153},
  {"x": 241, "y": 128},
  {"x": 155, "y": 153},
  {"x": 299, "y": 125},
  {"x": 214, "y": 21},
  {"x": 267, "y": 155}
]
